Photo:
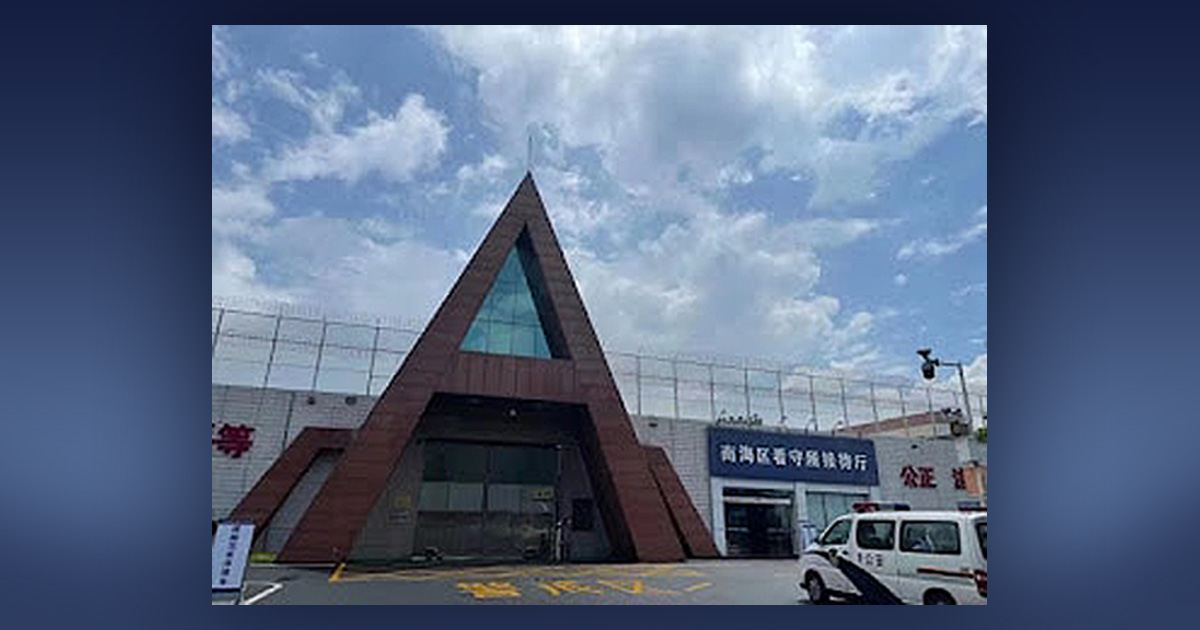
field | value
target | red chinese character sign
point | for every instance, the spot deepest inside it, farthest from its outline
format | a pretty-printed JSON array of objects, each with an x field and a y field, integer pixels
[
  {"x": 234, "y": 440},
  {"x": 919, "y": 477},
  {"x": 960, "y": 482}
]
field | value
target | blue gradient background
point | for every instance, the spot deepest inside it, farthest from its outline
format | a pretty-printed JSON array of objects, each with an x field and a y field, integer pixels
[{"x": 1092, "y": 230}]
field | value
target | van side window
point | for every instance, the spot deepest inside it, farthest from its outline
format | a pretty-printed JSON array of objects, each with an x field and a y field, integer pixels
[
  {"x": 930, "y": 537},
  {"x": 876, "y": 534},
  {"x": 837, "y": 534}
]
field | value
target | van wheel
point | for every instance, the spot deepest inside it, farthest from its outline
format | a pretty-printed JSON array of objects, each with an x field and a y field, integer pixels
[
  {"x": 817, "y": 593},
  {"x": 938, "y": 598}
]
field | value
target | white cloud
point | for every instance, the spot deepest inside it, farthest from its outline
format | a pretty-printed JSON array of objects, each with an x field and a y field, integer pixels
[
  {"x": 731, "y": 284},
  {"x": 978, "y": 287},
  {"x": 655, "y": 99},
  {"x": 976, "y": 375},
  {"x": 236, "y": 210},
  {"x": 223, "y": 58},
  {"x": 324, "y": 107},
  {"x": 227, "y": 125},
  {"x": 937, "y": 248},
  {"x": 235, "y": 275},
  {"x": 900, "y": 280},
  {"x": 396, "y": 147},
  {"x": 367, "y": 266},
  {"x": 488, "y": 171}
]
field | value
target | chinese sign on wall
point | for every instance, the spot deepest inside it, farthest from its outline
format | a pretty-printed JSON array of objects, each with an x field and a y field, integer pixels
[
  {"x": 791, "y": 457},
  {"x": 923, "y": 477},
  {"x": 233, "y": 440}
]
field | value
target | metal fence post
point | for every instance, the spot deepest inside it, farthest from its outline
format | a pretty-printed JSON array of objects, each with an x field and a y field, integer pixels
[
  {"x": 845, "y": 410},
  {"x": 320, "y": 351},
  {"x": 374, "y": 351},
  {"x": 712, "y": 395},
  {"x": 217, "y": 332},
  {"x": 903, "y": 411},
  {"x": 746, "y": 388},
  {"x": 874, "y": 407},
  {"x": 637, "y": 376},
  {"x": 779, "y": 391},
  {"x": 271, "y": 357},
  {"x": 675, "y": 385},
  {"x": 812, "y": 399}
]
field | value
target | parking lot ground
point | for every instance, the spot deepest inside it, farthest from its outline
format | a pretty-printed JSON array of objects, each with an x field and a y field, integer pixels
[
  {"x": 252, "y": 592},
  {"x": 694, "y": 582}
]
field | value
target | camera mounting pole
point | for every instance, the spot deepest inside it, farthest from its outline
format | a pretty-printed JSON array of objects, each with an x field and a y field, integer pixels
[{"x": 928, "y": 368}]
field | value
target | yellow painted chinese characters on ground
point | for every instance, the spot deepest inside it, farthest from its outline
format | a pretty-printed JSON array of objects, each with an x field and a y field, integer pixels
[
  {"x": 558, "y": 587},
  {"x": 490, "y": 590},
  {"x": 634, "y": 587}
]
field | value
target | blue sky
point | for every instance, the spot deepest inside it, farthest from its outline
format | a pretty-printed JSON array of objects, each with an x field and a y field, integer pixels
[{"x": 816, "y": 196}]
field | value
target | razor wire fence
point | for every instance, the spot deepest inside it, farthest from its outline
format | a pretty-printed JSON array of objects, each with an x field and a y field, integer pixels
[{"x": 358, "y": 355}]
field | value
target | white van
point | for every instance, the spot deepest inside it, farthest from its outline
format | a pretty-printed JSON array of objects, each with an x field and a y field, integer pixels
[{"x": 921, "y": 557}]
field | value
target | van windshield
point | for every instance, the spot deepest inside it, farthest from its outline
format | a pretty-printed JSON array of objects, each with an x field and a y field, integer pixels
[{"x": 981, "y": 529}]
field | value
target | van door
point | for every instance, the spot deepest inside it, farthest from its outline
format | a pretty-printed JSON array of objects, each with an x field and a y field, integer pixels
[
  {"x": 931, "y": 561},
  {"x": 874, "y": 549},
  {"x": 835, "y": 542}
]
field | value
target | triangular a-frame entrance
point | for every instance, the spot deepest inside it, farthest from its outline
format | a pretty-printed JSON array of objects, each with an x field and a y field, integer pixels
[{"x": 635, "y": 515}]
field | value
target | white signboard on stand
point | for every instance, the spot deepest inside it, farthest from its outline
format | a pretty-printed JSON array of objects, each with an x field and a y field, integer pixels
[{"x": 230, "y": 551}]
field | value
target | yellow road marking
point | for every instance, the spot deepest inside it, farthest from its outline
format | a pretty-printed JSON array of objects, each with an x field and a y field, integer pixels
[
  {"x": 489, "y": 590},
  {"x": 496, "y": 573},
  {"x": 558, "y": 587},
  {"x": 695, "y": 587},
  {"x": 687, "y": 573},
  {"x": 634, "y": 587}
]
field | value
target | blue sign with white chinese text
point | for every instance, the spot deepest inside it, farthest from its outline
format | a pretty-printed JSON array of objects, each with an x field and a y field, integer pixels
[{"x": 791, "y": 457}]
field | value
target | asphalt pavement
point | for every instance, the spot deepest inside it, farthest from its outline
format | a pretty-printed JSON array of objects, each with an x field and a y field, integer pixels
[{"x": 694, "y": 582}]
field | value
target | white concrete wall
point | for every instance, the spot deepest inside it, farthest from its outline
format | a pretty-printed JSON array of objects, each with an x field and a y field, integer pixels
[
  {"x": 686, "y": 444},
  {"x": 941, "y": 455},
  {"x": 277, "y": 417}
]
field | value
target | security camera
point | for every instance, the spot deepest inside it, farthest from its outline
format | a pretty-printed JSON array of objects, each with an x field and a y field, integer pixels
[
  {"x": 928, "y": 365},
  {"x": 927, "y": 369}
]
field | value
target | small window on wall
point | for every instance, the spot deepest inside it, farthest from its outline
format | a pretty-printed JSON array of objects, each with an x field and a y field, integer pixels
[
  {"x": 876, "y": 534},
  {"x": 940, "y": 537},
  {"x": 581, "y": 515}
]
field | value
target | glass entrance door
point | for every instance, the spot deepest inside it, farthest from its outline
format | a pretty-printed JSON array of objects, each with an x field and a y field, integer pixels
[
  {"x": 491, "y": 500},
  {"x": 758, "y": 530},
  {"x": 758, "y": 522}
]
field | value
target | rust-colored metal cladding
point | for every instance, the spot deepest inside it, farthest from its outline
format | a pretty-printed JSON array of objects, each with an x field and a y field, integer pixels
[
  {"x": 264, "y": 499},
  {"x": 694, "y": 536},
  {"x": 632, "y": 507}
]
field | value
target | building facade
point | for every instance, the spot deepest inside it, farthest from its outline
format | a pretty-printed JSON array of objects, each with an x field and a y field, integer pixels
[
  {"x": 746, "y": 514},
  {"x": 503, "y": 435}
]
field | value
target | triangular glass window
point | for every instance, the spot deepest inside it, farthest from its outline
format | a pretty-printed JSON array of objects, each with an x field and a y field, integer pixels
[{"x": 509, "y": 321}]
